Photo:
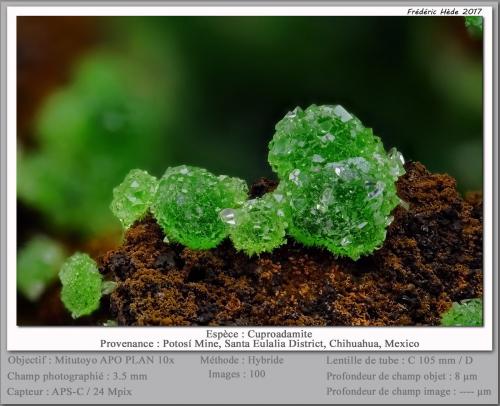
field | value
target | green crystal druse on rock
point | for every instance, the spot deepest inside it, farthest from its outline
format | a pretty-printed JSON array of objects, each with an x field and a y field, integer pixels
[
  {"x": 337, "y": 190},
  {"x": 337, "y": 178},
  {"x": 134, "y": 196},
  {"x": 188, "y": 202},
  {"x": 37, "y": 265},
  {"x": 81, "y": 285},
  {"x": 467, "y": 313},
  {"x": 259, "y": 225}
]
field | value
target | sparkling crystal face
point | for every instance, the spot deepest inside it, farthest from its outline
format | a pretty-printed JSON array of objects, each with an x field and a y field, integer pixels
[
  {"x": 337, "y": 179},
  {"x": 81, "y": 285},
  {"x": 188, "y": 203},
  {"x": 134, "y": 196},
  {"x": 259, "y": 225},
  {"x": 346, "y": 212},
  {"x": 305, "y": 139}
]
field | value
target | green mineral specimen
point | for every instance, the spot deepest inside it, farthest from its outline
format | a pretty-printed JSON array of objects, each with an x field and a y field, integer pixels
[
  {"x": 308, "y": 139},
  {"x": 134, "y": 196},
  {"x": 82, "y": 285},
  {"x": 344, "y": 207},
  {"x": 37, "y": 265},
  {"x": 467, "y": 313},
  {"x": 188, "y": 202},
  {"x": 259, "y": 225},
  {"x": 337, "y": 179},
  {"x": 475, "y": 25},
  {"x": 337, "y": 190}
]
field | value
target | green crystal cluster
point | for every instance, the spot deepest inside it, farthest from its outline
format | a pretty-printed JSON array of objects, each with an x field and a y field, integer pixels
[
  {"x": 89, "y": 134},
  {"x": 467, "y": 313},
  {"x": 306, "y": 139},
  {"x": 475, "y": 25},
  {"x": 37, "y": 265},
  {"x": 337, "y": 190},
  {"x": 259, "y": 225},
  {"x": 337, "y": 179},
  {"x": 188, "y": 202},
  {"x": 134, "y": 196},
  {"x": 82, "y": 285}
]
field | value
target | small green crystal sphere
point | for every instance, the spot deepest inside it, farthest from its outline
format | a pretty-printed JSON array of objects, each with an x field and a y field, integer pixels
[
  {"x": 475, "y": 25},
  {"x": 188, "y": 202},
  {"x": 259, "y": 225},
  {"x": 307, "y": 139},
  {"x": 467, "y": 313},
  {"x": 337, "y": 178},
  {"x": 133, "y": 197},
  {"x": 37, "y": 265},
  {"x": 344, "y": 206},
  {"x": 81, "y": 285}
]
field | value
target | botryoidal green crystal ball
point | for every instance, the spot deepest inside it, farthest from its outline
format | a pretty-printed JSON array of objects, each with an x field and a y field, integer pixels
[
  {"x": 133, "y": 197},
  {"x": 81, "y": 285},
  {"x": 188, "y": 202},
  {"x": 259, "y": 225},
  {"x": 344, "y": 207},
  {"x": 337, "y": 179},
  {"x": 310, "y": 138},
  {"x": 37, "y": 265}
]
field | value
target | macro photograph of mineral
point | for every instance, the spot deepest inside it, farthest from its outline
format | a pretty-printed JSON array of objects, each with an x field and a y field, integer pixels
[{"x": 250, "y": 171}]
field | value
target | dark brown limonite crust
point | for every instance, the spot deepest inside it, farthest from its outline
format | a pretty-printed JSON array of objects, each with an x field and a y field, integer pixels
[{"x": 432, "y": 257}]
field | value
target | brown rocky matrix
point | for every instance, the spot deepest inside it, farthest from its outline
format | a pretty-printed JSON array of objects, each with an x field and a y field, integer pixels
[{"x": 432, "y": 256}]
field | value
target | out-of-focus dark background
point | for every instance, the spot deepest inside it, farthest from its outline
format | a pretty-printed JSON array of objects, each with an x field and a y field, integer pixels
[{"x": 100, "y": 96}]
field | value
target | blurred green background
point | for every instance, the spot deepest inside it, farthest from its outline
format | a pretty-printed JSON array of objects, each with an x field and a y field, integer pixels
[{"x": 98, "y": 96}]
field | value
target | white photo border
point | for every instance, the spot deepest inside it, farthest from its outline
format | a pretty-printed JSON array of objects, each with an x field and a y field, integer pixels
[{"x": 91, "y": 338}]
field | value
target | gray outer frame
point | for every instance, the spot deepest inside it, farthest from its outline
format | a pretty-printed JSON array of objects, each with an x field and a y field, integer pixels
[{"x": 4, "y": 118}]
